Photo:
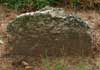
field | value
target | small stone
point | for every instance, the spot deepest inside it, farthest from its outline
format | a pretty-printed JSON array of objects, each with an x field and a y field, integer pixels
[
  {"x": 25, "y": 63},
  {"x": 28, "y": 67},
  {"x": 1, "y": 42}
]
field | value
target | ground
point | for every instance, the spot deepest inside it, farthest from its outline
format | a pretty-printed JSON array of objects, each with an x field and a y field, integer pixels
[{"x": 70, "y": 63}]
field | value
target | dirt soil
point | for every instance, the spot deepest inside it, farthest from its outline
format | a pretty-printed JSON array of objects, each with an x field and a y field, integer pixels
[{"x": 6, "y": 16}]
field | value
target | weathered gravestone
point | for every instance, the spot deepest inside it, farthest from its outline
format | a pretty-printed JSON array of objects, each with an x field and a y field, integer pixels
[{"x": 52, "y": 31}]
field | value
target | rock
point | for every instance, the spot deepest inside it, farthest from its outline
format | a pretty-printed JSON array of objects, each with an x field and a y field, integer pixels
[
  {"x": 52, "y": 32},
  {"x": 1, "y": 41}
]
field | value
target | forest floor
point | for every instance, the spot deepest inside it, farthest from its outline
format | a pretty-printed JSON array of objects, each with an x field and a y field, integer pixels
[{"x": 76, "y": 63}]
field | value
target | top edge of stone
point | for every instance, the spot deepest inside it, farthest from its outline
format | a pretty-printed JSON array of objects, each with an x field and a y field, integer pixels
[{"x": 54, "y": 12}]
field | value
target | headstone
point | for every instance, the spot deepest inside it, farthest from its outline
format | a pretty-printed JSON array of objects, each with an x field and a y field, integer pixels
[{"x": 49, "y": 31}]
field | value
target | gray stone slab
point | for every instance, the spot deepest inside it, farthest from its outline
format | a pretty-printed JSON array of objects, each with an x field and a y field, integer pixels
[{"x": 53, "y": 32}]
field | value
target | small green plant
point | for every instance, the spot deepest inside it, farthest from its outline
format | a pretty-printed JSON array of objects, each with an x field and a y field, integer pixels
[
  {"x": 46, "y": 61},
  {"x": 40, "y": 3},
  {"x": 81, "y": 66},
  {"x": 58, "y": 67},
  {"x": 74, "y": 3}
]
